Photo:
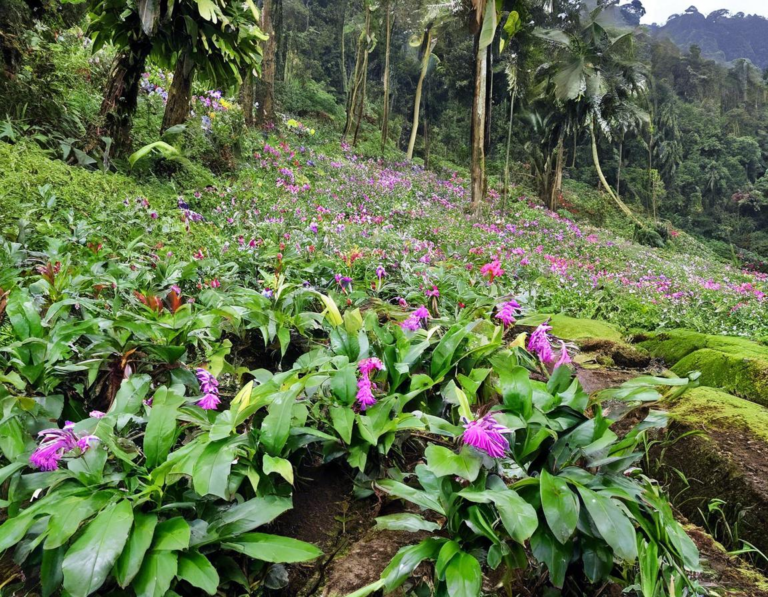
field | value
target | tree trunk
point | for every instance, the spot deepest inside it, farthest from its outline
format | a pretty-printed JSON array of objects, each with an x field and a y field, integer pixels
[
  {"x": 509, "y": 145},
  {"x": 557, "y": 184},
  {"x": 601, "y": 176},
  {"x": 488, "y": 100},
  {"x": 180, "y": 93},
  {"x": 266, "y": 88},
  {"x": 247, "y": 98},
  {"x": 121, "y": 98},
  {"x": 618, "y": 170},
  {"x": 385, "y": 111},
  {"x": 356, "y": 83},
  {"x": 478, "y": 126},
  {"x": 417, "y": 100},
  {"x": 361, "y": 108},
  {"x": 343, "y": 43}
]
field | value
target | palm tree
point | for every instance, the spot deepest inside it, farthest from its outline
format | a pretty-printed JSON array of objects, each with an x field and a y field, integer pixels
[{"x": 594, "y": 79}]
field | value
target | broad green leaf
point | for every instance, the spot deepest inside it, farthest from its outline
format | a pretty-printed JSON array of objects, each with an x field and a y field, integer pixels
[
  {"x": 277, "y": 424},
  {"x": 552, "y": 553},
  {"x": 488, "y": 31},
  {"x": 281, "y": 466},
  {"x": 446, "y": 554},
  {"x": 560, "y": 504},
  {"x": 88, "y": 561},
  {"x": 344, "y": 384},
  {"x": 331, "y": 310},
  {"x": 140, "y": 539},
  {"x": 612, "y": 523},
  {"x": 50, "y": 570},
  {"x": 172, "y": 534},
  {"x": 420, "y": 498},
  {"x": 405, "y": 522},
  {"x": 195, "y": 568},
  {"x": 249, "y": 515},
  {"x": 161, "y": 427},
  {"x": 518, "y": 516},
  {"x": 161, "y": 147},
  {"x": 69, "y": 514},
  {"x": 442, "y": 355},
  {"x": 131, "y": 394},
  {"x": 211, "y": 472},
  {"x": 442, "y": 461},
  {"x": 24, "y": 318},
  {"x": 463, "y": 575},
  {"x": 156, "y": 574},
  {"x": 517, "y": 391},
  {"x": 273, "y": 548},
  {"x": 406, "y": 560},
  {"x": 343, "y": 421}
]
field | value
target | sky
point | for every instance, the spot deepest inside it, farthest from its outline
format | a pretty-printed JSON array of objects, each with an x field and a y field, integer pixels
[{"x": 657, "y": 11}]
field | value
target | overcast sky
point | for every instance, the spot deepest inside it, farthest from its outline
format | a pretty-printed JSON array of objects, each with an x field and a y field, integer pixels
[{"x": 657, "y": 11}]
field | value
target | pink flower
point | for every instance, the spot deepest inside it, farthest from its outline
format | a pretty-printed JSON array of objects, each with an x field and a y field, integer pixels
[
  {"x": 56, "y": 443},
  {"x": 492, "y": 270},
  {"x": 364, "y": 395},
  {"x": 485, "y": 434},
  {"x": 209, "y": 386},
  {"x": 538, "y": 343},
  {"x": 371, "y": 364},
  {"x": 96, "y": 414},
  {"x": 434, "y": 292},
  {"x": 565, "y": 358},
  {"x": 507, "y": 311}
]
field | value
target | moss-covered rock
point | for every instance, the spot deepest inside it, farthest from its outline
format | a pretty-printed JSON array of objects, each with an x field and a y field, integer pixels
[
  {"x": 719, "y": 443},
  {"x": 736, "y": 365},
  {"x": 572, "y": 328}
]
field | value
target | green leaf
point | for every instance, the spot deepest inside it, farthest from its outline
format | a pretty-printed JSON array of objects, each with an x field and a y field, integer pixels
[
  {"x": 612, "y": 523},
  {"x": 161, "y": 427},
  {"x": 343, "y": 421},
  {"x": 344, "y": 384},
  {"x": 420, "y": 498},
  {"x": 442, "y": 461},
  {"x": 517, "y": 391},
  {"x": 513, "y": 23},
  {"x": 406, "y": 560},
  {"x": 446, "y": 554},
  {"x": 89, "y": 560},
  {"x": 560, "y": 504},
  {"x": 161, "y": 147},
  {"x": 331, "y": 310},
  {"x": 405, "y": 522},
  {"x": 249, "y": 515},
  {"x": 50, "y": 570},
  {"x": 274, "y": 548},
  {"x": 211, "y": 472},
  {"x": 488, "y": 31},
  {"x": 195, "y": 568},
  {"x": 553, "y": 554},
  {"x": 518, "y": 516},
  {"x": 281, "y": 466},
  {"x": 131, "y": 394},
  {"x": 442, "y": 356},
  {"x": 172, "y": 534},
  {"x": 24, "y": 318},
  {"x": 463, "y": 576},
  {"x": 69, "y": 513},
  {"x": 156, "y": 575},
  {"x": 277, "y": 424},
  {"x": 130, "y": 559}
]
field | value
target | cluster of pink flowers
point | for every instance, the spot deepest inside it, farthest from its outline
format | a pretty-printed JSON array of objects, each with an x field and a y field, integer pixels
[
  {"x": 209, "y": 386},
  {"x": 55, "y": 443},
  {"x": 365, "y": 387},
  {"x": 492, "y": 270},
  {"x": 507, "y": 311},
  {"x": 486, "y": 434},
  {"x": 540, "y": 344},
  {"x": 414, "y": 320}
]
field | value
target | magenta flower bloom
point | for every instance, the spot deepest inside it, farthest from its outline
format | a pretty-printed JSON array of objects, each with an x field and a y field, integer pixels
[
  {"x": 380, "y": 272},
  {"x": 486, "y": 434},
  {"x": 56, "y": 443},
  {"x": 434, "y": 292},
  {"x": 368, "y": 365},
  {"x": 411, "y": 324},
  {"x": 209, "y": 386},
  {"x": 96, "y": 414},
  {"x": 364, "y": 395},
  {"x": 565, "y": 358},
  {"x": 492, "y": 270},
  {"x": 421, "y": 313},
  {"x": 507, "y": 311},
  {"x": 539, "y": 345}
]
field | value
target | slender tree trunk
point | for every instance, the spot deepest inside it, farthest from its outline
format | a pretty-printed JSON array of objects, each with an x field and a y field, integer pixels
[
  {"x": 266, "y": 88},
  {"x": 488, "y": 101},
  {"x": 343, "y": 42},
  {"x": 557, "y": 183},
  {"x": 575, "y": 140},
  {"x": 361, "y": 108},
  {"x": 601, "y": 176},
  {"x": 385, "y": 111},
  {"x": 618, "y": 170},
  {"x": 121, "y": 98},
  {"x": 427, "y": 45},
  {"x": 509, "y": 145},
  {"x": 247, "y": 98},
  {"x": 180, "y": 93},
  {"x": 356, "y": 83},
  {"x": 477, "y": 167}
]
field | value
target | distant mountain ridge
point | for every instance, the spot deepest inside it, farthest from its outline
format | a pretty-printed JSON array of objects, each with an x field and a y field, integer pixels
[{"x": 720, "y": 35}]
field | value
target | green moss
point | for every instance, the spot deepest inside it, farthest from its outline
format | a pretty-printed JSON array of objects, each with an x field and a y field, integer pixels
[
  {"x": 673, "y": 345},
  {"x": 711, "y": 409},
  {"x": 572, "y": 328}
]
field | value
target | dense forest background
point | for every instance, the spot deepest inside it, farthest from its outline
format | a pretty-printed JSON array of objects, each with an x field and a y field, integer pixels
[{"x": 572, "y": 93}]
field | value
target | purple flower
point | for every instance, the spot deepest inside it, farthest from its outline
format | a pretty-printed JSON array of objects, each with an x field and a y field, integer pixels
[
  {"x": 368, "y": 365},
  {"x": 380, "y": 272},
  {"x": 485, "y": 434},
  {"x": 565, "y": 358},
  {"x": 411, "y": 324},
  {"x": 421, "y": 313},
  {"x": 313, "y": 227},
  {"x": 96, "y": 414},
  {"x": 57, "y": 442},
  {"x": 209, "y": 386},
  {"x": 364, "y": 395},
  {"x": 434, "y": 292},
  {"x": 538, "y": 343},
  {"x": 507, "y": 312}
]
